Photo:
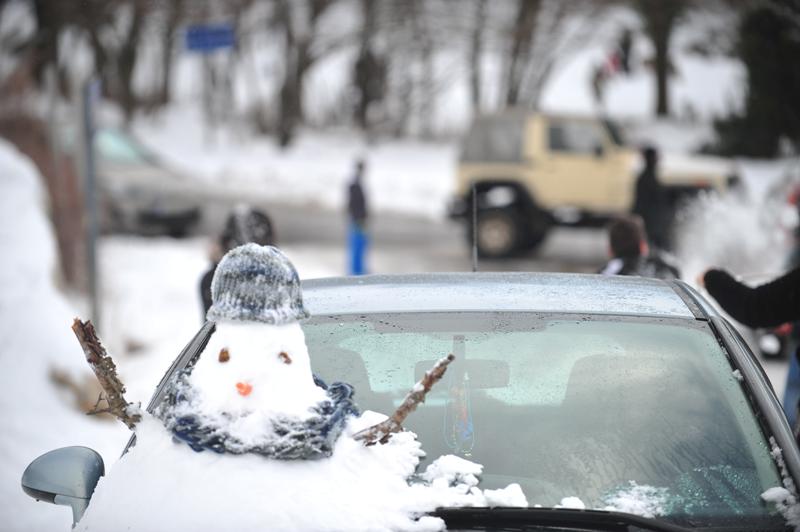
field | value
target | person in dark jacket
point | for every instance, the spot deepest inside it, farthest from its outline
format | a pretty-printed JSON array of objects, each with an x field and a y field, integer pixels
[
  {"x": 243, "y": 225},
  {"x": 630, "y": 253},
  {"x": 651, "y": 201},
  {"x": 768, "y": 305},
  {"x": 357, "y": 216}
]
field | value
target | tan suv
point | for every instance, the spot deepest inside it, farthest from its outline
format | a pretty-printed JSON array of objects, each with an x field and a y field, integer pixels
[{"x": 531, "y": 171}]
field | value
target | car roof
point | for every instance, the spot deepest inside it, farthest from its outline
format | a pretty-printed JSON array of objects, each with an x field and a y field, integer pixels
[{"x": 508, "y": 291}]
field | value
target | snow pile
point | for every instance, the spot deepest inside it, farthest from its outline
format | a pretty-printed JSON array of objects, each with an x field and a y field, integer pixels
[
  {"x": 738, "y": 375},
  {"x": 573, "y": 503},
  {"x": 643, "y": 500},
  {"x": 404, "y": 176},
  {"x": 785, "y": 497},
  {"x": 163, "y": 484},
  {"x": 34, "y": 338}
]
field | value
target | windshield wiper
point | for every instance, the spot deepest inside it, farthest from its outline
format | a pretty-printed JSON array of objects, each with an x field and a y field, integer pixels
[{"x": 556, "y": 517}]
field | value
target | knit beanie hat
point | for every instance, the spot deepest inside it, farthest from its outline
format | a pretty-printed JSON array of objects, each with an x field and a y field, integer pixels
[{"x": 256, "y": 283}]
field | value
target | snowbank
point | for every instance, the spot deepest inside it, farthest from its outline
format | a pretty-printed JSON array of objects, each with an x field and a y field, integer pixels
[
  {"x": 406, "y": 176},
  {"x": 35, "y": 336}
]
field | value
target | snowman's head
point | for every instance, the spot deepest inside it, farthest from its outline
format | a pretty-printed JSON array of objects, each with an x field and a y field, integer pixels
[
  {"x": 255, "y": 283},
  {"x": 250, "y": 368}
]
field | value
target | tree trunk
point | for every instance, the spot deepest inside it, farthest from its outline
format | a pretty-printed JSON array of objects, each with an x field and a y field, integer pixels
[
  {"x": 521, "y": 39},
  {"x": 126, "y": 61},
  {"x": 49, "y": 21},
  {"x": 475, "y": 49},
  {"x": 659, "y": 19},
  {"x": 661, "y": 66},
  {"x": 298, "y": 61},
  {"x": 174, "y": 16}
]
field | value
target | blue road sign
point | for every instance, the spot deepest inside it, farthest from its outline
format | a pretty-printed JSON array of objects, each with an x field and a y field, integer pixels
[{"x": 210, "y": 37}]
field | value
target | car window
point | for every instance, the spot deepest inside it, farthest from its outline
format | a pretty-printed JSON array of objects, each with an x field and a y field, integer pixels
[
  {"x": 496, "y": 139},
  {"x": 116, "y": 147},
  {"x": 566, "y": 407},
  {"x": 574, "y": 137}
]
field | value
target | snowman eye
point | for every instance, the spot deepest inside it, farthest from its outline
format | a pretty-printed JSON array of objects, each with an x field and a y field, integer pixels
[
  {"x": 224, "y": 355},
  {"x": 284, "y": 357}
]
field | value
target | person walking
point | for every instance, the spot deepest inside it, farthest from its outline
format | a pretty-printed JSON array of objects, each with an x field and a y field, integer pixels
[
  {"x": 357, "y": 221},
  {"x": 651, "y": 201},
  {"x": 630, "y": 253}
]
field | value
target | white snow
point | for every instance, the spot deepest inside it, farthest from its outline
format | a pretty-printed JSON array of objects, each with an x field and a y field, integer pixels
[
  {"x": 35, "y": 338},
  {"x": 574, "y": 503},
  {"x": 738, "y": 375},
  {"x": 647, "y": 501},
  {"x": 784, "y": 497},
  {"x": 358, "y": 488}
]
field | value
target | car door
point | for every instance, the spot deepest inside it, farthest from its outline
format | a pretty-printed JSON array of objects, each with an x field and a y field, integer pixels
[{"x": 575, "y": 167}]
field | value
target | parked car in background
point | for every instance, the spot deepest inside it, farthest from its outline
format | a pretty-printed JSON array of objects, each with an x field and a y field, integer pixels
[
  {"x": 619, "y": 394},
  {"x": 533, "y": 170},
  {"x": 139, "y": 194}
]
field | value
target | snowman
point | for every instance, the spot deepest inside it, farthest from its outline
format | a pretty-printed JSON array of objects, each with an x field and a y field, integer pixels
[
  {"x": 290, "y": 454},
  {"x": 252, "y": 389}
]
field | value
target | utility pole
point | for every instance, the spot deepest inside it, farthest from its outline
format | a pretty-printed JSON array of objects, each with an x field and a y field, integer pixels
[{"x": 90, "y": 94}]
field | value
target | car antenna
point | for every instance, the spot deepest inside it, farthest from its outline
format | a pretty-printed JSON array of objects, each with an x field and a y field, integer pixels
[{"x": 474, "y": 228}]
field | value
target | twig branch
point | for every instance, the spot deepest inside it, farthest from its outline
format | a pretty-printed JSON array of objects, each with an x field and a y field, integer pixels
[
  {"x": 380, "y": 433},
  {"x": 106, "y": 373}
]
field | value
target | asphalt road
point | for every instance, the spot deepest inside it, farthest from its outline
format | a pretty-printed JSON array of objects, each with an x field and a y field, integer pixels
[{"x": 405, "y": 244}]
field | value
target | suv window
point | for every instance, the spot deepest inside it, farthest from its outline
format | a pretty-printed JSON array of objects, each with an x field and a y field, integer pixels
[
  {"x": 574, "y": 137},
  {"x": 495, "y": 139}
]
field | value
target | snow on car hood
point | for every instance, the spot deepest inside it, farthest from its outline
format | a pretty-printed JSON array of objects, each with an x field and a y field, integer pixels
[{"x": 160, "y": 484}]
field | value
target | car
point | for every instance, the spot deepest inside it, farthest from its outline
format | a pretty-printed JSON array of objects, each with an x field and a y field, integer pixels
[
  {"x": 138, "y": 193},
  {"x": 614, "y": 402},
  {"x": 531, "y": 170}
]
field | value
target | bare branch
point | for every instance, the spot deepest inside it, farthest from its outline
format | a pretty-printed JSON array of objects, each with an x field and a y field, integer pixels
[
  {"x": 380, "y": 433},
  {"x": 106, "y": 372}
]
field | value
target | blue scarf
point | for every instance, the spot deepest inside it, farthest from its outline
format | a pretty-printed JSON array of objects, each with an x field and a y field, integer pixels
[{"x": 294, "y": 439}]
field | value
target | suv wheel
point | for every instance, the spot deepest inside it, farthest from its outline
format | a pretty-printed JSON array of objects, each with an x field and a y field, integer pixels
[
  {"x": 539, "y": 224},
  {"x": 499, "y": 232}
]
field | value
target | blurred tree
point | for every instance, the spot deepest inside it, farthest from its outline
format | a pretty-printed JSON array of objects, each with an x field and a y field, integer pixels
[
  {"x": 542, "y": 34},
  {"x": 173, "y": 15},
  {"x": 370, "y": 67},
  {"x": 298, "y": 20},
  {"x": 659, "y": 18},
  {"x": 768, "y": 45},
  {"x": 475, "y": 55}
]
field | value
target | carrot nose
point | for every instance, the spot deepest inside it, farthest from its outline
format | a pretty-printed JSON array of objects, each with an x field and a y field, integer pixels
[{"x": 244, "y": 388}]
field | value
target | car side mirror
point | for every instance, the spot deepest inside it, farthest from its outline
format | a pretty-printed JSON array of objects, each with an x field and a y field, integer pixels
[
  {"x": 598, "y": 150},
  {"x": 65, "y": 476}
]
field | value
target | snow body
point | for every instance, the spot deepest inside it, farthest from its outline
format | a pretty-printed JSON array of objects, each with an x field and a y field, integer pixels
[{"x": 160, "y": 484}]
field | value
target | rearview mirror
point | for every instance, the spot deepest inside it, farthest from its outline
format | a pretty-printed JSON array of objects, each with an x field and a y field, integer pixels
[
  {"x": 65, "y": 476},
  {"x": 482, "y": 373}
]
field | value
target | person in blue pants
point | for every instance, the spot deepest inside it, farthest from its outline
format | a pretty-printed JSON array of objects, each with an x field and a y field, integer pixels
[{"x": 357, "y": 240}]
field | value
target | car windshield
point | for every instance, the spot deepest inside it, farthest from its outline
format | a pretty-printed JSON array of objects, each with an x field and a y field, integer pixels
[{"x": 566, "y": 405}]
